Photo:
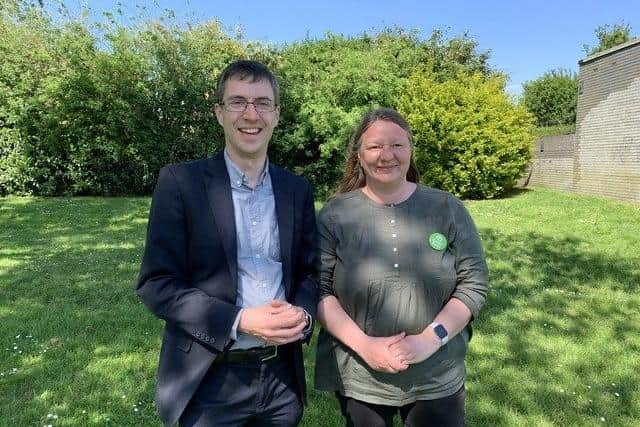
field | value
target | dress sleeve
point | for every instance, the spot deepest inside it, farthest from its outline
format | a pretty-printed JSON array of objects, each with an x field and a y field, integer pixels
[
  {"x": 471, "y": 266},
  {"x": 327, "y": 243}
]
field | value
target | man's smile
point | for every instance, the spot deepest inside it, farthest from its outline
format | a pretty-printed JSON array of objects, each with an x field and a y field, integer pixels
[{"x": 250, "y": 131}]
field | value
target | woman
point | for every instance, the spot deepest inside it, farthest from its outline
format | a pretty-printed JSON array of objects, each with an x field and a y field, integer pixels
[{"x": 402, "y": 275}]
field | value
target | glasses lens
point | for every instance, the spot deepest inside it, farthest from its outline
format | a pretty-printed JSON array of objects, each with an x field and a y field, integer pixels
[
  {"x": 236, "y": 105},
  {"x": 263, "y": 106}
]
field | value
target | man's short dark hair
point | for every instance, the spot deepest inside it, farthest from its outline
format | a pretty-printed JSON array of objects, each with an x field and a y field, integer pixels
[{"x": 253, "y": 71}]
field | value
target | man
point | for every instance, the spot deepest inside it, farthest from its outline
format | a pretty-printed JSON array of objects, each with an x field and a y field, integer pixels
[{"x": 229, "y": 265}]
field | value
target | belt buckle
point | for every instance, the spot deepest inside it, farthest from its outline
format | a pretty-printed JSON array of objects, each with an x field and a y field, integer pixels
[{"x": 271, "y": 356}]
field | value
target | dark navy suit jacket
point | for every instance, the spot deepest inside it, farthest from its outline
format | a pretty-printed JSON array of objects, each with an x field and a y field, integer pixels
[{"x": 189, "y": 270}]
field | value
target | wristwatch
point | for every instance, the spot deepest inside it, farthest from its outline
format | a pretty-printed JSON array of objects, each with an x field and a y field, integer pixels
[{"x": 441, "y": 332}]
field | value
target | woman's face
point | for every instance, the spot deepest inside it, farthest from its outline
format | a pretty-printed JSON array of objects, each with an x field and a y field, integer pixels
[{"x": 385, "y": 154}]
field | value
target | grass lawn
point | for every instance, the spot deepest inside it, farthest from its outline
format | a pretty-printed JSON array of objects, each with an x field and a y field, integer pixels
[
  {"x": 558, "y": 342},
  {"x": 540, "y": 132}
]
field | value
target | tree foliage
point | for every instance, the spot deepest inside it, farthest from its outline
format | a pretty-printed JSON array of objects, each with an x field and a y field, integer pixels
[
  {"x": 100, "y": 109},
  {"x": 80, "y": 119},
  {"x": 609, "y": 36},
  {"x": 552, "y": 98},
  {"x": 470, "y": 139},
  {"x": 331, "y": 82}
]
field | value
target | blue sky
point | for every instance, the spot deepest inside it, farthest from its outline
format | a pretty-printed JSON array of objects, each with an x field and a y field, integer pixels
[{"x": 526, "y": 38}]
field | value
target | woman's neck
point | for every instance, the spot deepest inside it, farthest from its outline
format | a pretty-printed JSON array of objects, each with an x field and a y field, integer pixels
[{"x": 389, "y": 195}]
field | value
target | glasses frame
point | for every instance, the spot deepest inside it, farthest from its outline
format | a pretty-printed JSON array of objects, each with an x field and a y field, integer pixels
[{"x": 225, "y": 105}]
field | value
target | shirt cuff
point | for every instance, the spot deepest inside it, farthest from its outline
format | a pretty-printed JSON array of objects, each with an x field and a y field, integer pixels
[{"x": 234, "y": 328}]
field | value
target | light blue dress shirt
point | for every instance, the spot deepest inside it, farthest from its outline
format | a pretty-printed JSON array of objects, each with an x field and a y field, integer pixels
[{"x": 258, "y": 255}]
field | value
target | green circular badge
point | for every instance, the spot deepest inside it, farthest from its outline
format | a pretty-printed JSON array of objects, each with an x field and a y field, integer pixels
[{"x": 438, "y": 242}]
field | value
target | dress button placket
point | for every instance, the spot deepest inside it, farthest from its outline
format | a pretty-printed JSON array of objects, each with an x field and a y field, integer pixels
[{"x": 391, "y": 223}]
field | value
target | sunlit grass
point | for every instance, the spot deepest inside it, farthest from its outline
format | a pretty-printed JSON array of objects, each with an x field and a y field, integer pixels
[
  {"x": 540, "y": 132},
  {"x": 557, "y": 343}
]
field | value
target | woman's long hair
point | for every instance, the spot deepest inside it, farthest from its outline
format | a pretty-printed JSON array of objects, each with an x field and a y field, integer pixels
[{"x": 353, "y": 176}]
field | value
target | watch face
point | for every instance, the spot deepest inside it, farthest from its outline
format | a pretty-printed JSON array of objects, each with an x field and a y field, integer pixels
[{"x": 440, "y": 331}]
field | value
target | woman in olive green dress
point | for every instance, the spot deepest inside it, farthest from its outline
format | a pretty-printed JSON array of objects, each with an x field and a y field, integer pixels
[{"x": 402, "y": 275}]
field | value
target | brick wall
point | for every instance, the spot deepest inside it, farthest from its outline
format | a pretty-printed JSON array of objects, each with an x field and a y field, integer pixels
[
  {"x": 607, "y": 157},
  {"x": 552, "y": 162},
  {"x": 603, "y": 157}
]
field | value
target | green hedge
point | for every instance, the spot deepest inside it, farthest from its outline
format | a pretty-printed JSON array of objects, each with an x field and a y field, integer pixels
[
  {"x": 469, "y": 138},
  {"x": 100, "y": 109},
  {"x": 552, "y": 98}
]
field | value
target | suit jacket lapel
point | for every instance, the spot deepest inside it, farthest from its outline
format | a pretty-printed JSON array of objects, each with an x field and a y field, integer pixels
[
  {"x": 283, "y": 196},
  {"x": 221, "y": 204}
]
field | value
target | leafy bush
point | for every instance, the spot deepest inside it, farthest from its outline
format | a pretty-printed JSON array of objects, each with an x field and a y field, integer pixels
[
  {"x": 77, "y": 118},
  {"x": 100, "y": 109},
  {"x": 30, "y": 66},
  {"x": 327, "y": 86},
  {"x": 329, "y": 83},
  {"x": 470, "y": 139},
  {"x": 552, "y": 98}
]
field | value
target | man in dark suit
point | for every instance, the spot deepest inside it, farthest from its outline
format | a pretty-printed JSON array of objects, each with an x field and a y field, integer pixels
[{"x": 229, "y": 266}]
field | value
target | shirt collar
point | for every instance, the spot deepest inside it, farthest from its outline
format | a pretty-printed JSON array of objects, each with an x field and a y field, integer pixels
[{"x": 237, "y": 177}]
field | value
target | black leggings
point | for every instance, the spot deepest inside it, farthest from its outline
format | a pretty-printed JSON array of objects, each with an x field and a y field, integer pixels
[{"x": 444, "y": 412}]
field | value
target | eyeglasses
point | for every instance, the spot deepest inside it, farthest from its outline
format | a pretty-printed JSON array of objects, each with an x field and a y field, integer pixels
[
  {"x": 395, "y": 147},
  {"x": 240, "y": 105}
]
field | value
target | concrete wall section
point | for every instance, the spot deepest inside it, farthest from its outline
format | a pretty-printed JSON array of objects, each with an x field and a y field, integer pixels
[
  {"x": 552, "y": 163},
  {"x": 607, "y": 150}
]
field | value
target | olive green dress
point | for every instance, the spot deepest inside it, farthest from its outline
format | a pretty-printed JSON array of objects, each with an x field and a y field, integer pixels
[{"x": 392, "y": 271}]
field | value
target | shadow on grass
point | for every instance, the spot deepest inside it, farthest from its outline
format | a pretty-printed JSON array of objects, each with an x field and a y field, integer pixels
[
  {"x": 82, "y": 346},
  {"x": 550, "y": 300},
  {"x": 67, "y": 278},
  {"x": 514, "y": 192},
  {"x": 549, "y": 297}
]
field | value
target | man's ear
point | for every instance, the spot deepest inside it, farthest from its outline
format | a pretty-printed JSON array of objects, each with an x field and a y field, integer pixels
[{"x": 217, "y": 110}]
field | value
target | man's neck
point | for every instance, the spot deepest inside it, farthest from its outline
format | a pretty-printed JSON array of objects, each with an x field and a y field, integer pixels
[{"x": 251, "y": 167}]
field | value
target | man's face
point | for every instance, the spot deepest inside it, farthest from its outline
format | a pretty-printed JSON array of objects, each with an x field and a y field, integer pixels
[{"x": 247, "y": 133}]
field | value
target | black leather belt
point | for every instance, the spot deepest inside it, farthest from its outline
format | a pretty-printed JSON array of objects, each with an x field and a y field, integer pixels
[{"x": 252, "y": 355}]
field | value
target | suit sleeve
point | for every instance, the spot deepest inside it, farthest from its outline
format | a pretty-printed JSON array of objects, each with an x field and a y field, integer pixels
[
  {"x": 307, "y": 287},
  {"x": 164, "y": 284}
]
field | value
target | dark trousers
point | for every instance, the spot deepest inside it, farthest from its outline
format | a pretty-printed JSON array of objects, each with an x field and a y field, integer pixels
[
  {"x": 245, "y": 394},
  {"x": 445, "y": 412}
]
